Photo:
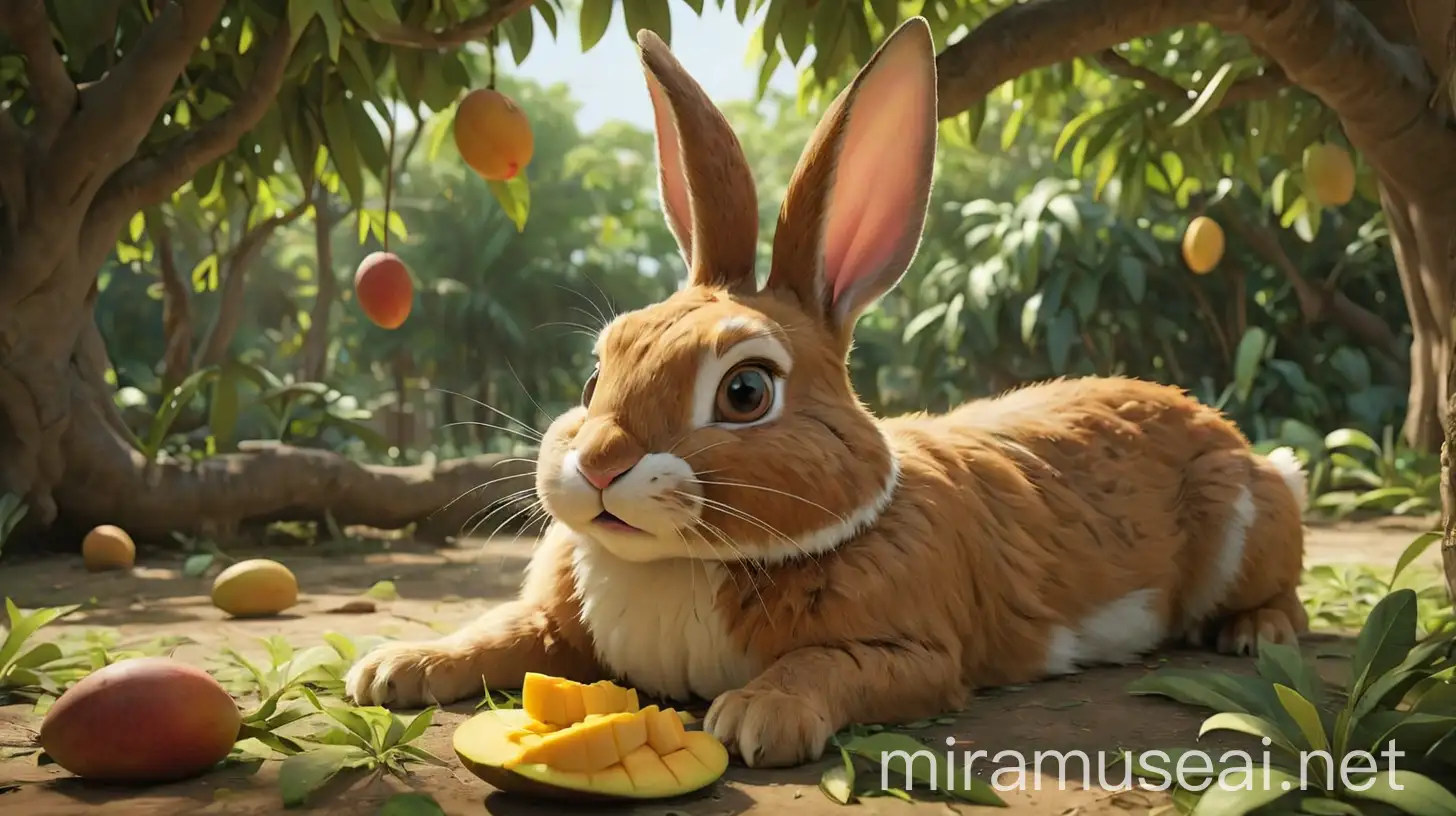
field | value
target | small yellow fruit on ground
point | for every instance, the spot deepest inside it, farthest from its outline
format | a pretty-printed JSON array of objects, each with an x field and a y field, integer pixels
[
  {"x": 1203, "y": 244},
  {"x": 254, "y": 588},
  {"x": 1330, "y": 174},
  {"x": 493, "y": 134},
  {"x": 108, "y": 547},
  {"x": 601, "y": 756}
]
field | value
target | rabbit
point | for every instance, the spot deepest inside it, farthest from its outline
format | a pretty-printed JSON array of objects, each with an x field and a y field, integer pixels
[{"x": 730, "y": 523}]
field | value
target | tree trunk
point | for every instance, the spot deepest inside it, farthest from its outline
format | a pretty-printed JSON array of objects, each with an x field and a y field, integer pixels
[
  {"x": 316, "y": 341},
  {"x": 176, "y": 312}
]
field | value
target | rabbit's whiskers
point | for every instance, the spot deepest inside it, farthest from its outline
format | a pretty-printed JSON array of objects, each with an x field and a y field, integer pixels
[
  {"x": 487, "y": 484},
  {"x": 702, "y": 525},
  {"x": 734, "y": 512},
  {"x": 839, "y": 518}
]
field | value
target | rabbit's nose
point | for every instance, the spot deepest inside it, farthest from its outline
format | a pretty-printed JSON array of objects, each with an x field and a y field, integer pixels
[{"x": 602, "y": 478}]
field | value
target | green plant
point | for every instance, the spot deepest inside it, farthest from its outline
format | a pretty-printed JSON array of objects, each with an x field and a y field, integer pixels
[
  {"x": 12, "y": 511},
  {"x": 42, "y": 672},
  {"x": 1350, "y": 472},
  {"x": 1343, "y": 597},
  {"x": 23, "y": 673},
  {"x": 1400, "y": 694},
  {"x": 368, "y": 738},
  {"x": 288, "y": 670},
  {"x": 871, "y": 755}
]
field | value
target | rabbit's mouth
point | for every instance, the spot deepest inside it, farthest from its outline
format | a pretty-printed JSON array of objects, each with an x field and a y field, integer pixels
[{"x": 611, "y": 522}]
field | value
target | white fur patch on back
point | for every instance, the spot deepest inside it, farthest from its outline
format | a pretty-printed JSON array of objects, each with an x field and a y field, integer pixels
[
  {"x": 1120, "y": 632},
  {"x": 656, "y": 626},
  {"x": 1291, "y": 470},
  {"x": 1203, "y": 598}
]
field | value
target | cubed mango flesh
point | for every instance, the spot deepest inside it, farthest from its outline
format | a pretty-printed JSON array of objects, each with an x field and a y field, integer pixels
[{"x": 588, "y": 742}]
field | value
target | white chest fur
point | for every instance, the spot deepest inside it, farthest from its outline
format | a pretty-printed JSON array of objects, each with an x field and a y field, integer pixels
[{"x": 655, "y": 625}]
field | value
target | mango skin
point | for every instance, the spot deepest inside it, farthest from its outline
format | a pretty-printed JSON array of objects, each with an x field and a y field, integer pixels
[
  {"x": 385, "y": 291},
  {"x": 108, "y": 547},
  {"x": 143, "y": 721},
  {"x": 493, "y": 135},
  {"x": 258, "y": 587}
]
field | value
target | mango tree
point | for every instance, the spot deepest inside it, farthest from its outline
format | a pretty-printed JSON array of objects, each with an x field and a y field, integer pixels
[{"x": 112, "y": 108}]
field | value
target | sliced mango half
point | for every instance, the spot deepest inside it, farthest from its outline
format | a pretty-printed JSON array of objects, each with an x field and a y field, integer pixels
[{"x": 566, "y": 743}]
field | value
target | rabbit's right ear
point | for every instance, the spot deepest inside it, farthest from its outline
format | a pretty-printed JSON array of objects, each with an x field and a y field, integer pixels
[{"x": 706, "y": 188}]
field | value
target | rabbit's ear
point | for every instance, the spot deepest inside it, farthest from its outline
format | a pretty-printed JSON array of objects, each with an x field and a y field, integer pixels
[
  {"x": 852, "y": 219},
  {"x": 707, "y": 191}
]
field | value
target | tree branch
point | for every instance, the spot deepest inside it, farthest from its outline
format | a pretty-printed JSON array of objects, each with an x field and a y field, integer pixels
[
  {"x": 176, "y": 309},
  {"x": 1327, "y": 47},
  {"x": 229, "y": 311},
  {"x": 117, "y": 112},
  {"x": 26, "y": 23},
  {"x": 1026, "y": 36},
  {"x": 108, "y": 480},
  {"x": 144, "y": 182},
  {"x": 1316, "y": 302},
  {"x": 471, "y": 30},
  {"x": 1263, "y": 86}
]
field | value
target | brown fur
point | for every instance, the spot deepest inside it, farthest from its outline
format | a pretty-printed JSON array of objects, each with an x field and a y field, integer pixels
[{"x": 1016, "y": 521}]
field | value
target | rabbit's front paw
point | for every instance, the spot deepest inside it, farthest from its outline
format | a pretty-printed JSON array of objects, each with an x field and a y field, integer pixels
[
  {"x": 769, "y": 728},
  {"x": 402, "y": 675}
]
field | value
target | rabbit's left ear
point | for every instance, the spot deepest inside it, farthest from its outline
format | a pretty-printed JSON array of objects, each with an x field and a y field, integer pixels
[{"x": 855, "y": 209}]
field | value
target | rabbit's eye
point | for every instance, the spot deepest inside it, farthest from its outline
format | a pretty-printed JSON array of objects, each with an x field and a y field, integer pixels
[
  {"x": 588, "y": 389},
  {"x": 745, "y": 395}
]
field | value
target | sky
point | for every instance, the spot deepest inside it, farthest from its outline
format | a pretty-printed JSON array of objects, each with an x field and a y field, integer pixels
[{"x": 607, "y": 80}]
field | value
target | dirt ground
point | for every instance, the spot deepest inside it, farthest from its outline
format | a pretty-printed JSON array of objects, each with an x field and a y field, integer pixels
[{"x": 442, "y": 587}]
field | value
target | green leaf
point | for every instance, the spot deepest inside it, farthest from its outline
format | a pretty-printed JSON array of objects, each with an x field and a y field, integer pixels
[
  {"x": 1315, "y": 806},
  {"x": 520, "y": 34},
  {"x": 1387, "y": 638},
  {"x": 794, "y": 30},
  {"x": 653, "y": 15},
  {"x": 1134, "y": 277},
  {"x": 1211, "y": 96},
  {"x": 411, "y": 804},
  {"x": 1351, "y": 438},
  {"x": 302, "y": 774},
  {"x": 179, "y": 399},
  {"x": 1408, "y": 791},
  {"x": 137, "y": 226},
  {"x": 1061, "y": 335},
  {"x": 1284, "y": 663},
  {"x": 1210, "y": 689},
  {"x": 382, "y": 591},
  {"x": 1240, "y": 792},
  {"x": 42, "y": 654},
  {"x": 222, "y": 417},
  {"x": 1305, "y": 715},
  {"x": 342, "y": 151},
  {"x": 595, "y": 16},
  {"x": 901, "y": 756},
  {"x": 1251, "y": 725},
  {"x": 204, "y": 274},
  {"x": 197, "y": 564},
  {"x": 1247, "y": 359},
  {"x": 417, "y": 726},
  {"x": 514, "y": 197}
]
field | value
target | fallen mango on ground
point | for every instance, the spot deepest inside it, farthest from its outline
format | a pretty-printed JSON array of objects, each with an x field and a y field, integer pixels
[
  {"x": 143, "y": 720},
  {"x": 256, "y": 588},
  {"x": 588, "y": 743}
]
